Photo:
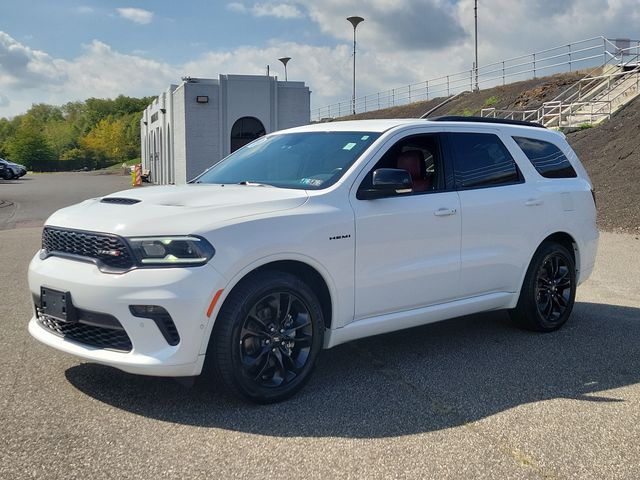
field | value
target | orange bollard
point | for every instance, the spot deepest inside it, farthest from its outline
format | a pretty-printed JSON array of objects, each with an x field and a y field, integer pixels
[{"x": 138, "y": 178}]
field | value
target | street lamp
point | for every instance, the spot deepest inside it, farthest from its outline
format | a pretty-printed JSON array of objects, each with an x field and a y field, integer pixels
[
  {"x": 284, "y": 61},
  {"x": 475, "y": 64},
  {"x": 354, "y": 21}
]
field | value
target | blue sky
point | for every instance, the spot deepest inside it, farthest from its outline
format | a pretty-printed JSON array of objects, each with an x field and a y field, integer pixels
[
  {"x": 176, "y": 31},
  {"x": 57, "y": 51}
]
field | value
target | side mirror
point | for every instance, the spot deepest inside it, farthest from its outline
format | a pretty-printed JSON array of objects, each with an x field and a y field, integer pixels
[{"x": 387, "y": 182}]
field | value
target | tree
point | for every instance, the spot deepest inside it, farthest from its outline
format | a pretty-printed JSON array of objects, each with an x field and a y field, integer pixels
[
  {"x": 8, "y": 128},
  {"x": 107, "y": 140},
  {"x": 61, "y": 136},
  {"x": 29, "y": 147},
  {"x": 41, "y": 114},
  {"x": 92, "y": 133}
]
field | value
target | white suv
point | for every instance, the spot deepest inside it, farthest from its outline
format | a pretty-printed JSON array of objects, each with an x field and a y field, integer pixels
[{"x": 314, "y": 236}]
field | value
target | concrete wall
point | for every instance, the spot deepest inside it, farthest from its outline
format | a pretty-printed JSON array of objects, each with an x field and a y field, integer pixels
[
  {"x": 201, "y": 124},
  {"x": 156, "y": 137},
  {"x": 294, "y": 104},
  {"x": 245, "y": 96},
  {"x": 181, "y": 137}
]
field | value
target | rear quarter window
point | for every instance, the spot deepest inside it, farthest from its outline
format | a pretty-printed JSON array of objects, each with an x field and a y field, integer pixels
[
  {"x": 481, "y": 160},
  {"x": 547, "y": 158}
]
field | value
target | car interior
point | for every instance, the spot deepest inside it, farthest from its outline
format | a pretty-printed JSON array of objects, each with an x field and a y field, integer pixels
[{"x": 418, "y": 155}]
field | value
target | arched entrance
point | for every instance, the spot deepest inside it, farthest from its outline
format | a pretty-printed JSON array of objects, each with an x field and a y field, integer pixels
[{"x": 245, "y": 130}]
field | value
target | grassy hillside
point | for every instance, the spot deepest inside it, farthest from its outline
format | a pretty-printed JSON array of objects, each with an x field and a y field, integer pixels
[{"x": 524, "y": 95}]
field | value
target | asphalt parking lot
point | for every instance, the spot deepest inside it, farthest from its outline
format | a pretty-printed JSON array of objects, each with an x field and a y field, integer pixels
[{"x": 468, "y": 398}]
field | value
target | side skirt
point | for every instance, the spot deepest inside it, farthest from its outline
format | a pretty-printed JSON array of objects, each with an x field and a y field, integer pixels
[{"x": 391, "y": 322}]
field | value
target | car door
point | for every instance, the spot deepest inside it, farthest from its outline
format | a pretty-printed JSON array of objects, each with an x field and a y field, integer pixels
[
  {"x": 502, "y": 215},
  {"x": 407, "y": 245}
]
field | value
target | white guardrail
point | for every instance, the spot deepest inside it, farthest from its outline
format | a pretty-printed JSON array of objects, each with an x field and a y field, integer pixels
[
  {"x": 592, "y": 98},
  {"x": 589, "y": 53}
]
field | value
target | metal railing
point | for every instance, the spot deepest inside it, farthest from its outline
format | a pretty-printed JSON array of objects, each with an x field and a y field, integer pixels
[
  {"x": 596, "y": 51},
  {"x": 581, "y": 98}
]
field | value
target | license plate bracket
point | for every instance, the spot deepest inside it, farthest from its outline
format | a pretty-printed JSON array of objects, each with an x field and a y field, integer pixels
[{"x": 57, "y": 304}]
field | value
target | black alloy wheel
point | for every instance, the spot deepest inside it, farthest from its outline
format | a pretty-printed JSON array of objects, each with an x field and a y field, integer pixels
[
  {"x": 276, "y": 339},
  {"x": 267, "y": 337},
  {"x": 548, "y": 291},
  {"x": 553, "y": 288}
]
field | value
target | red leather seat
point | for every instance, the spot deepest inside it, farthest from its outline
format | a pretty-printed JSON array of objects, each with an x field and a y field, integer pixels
[{"x": 413, "y": 162}]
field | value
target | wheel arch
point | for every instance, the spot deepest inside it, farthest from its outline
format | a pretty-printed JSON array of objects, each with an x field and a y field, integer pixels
[
  {"x": 568, "y": 242},
  {"x": 561, "y": 237},
  {"x": 307, "y": 274},
  {"x": 303, "y": 267}
]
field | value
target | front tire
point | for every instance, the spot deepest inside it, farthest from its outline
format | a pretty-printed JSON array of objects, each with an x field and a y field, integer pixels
[
  {"x": 8, "y": 174},
  {"x": 548, "y": 291},
  {"x": 267, "y": 337}
]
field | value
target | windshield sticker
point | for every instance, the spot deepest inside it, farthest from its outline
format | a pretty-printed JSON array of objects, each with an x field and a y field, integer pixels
[
  {"x": 349, "y": 146},
  {"x": 365, "y": 137},
  {"x": 314, "y": 182}
]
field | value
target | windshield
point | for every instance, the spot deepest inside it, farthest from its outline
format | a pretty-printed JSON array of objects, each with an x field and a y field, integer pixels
[{"x": 307, "y": 160}]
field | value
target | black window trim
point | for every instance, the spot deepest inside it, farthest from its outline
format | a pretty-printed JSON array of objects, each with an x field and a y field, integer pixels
[{"x": 450, "y": 159}]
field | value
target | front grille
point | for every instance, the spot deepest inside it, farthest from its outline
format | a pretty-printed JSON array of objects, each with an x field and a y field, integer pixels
[
  {"x": 113, "y": 338},
  {"x": 111, "y": 250}
]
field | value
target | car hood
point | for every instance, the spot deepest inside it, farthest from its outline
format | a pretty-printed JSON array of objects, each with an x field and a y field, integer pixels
[
  {"x": 11, "y": 164},
  {"x": 175, "y": 210}
]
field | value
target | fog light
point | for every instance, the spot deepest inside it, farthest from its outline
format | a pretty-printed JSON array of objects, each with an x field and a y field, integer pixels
[{"x": 147, "y": 311}]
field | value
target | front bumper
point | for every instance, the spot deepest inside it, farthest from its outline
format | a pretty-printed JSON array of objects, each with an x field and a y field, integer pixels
[{"x": 184, "y": 292}]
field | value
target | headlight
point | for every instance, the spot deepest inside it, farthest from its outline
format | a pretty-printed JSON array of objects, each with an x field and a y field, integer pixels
[{"x": 187, "y": 251}]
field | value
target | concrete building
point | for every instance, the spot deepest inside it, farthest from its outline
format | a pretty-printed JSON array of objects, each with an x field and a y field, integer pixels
[{"x": 195, "y": 124}]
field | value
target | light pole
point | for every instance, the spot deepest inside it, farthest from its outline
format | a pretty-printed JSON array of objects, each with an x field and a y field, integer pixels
[
  {"x": 284, "y": 61},
  {"x": 475, "y": 65},
  {"x": 354, "y": 21}
]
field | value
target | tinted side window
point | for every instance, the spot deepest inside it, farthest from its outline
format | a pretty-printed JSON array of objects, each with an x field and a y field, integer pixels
[
  {"x": 548, "y": 159},
  {"x": 480, "y": 160},
  {"x": 420, "y": 156}
]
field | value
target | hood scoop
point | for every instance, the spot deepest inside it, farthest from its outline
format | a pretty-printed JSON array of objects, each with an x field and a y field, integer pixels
[{"x": 120, "y": 200}]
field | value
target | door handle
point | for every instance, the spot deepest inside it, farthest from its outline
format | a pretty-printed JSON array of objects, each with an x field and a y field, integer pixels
[
  {"x": 443, "y": 212},
  {"x": 532, "y": 202}
]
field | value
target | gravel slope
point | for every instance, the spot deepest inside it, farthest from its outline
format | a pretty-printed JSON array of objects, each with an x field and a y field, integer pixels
[{"x": 611, "y": 154}]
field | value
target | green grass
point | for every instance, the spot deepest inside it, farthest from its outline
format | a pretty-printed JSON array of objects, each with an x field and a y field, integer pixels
[
  {"x": 491, "y": 101},
  {"x": 118, "y": 166}
]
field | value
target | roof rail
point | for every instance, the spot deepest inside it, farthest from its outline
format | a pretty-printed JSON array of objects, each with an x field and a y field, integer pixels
[{"x": 503, "y": 121}]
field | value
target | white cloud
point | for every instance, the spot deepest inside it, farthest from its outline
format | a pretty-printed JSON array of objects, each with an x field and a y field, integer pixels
[
  {"x": 385, "y": 59},
  {"x": 30, "y": 76},
  {"x": 21, "y": 66},
  {"x": 136, "y": 15},
  {"x": 268, "y": 9},
  {"x": 390, "y": 24}
]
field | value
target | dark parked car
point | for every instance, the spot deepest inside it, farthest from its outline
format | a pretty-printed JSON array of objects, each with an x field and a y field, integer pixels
[{"x": 9, "y": 170}]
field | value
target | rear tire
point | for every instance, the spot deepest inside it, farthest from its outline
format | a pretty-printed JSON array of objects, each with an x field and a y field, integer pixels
[
  {"x": 548, "y": 291},
  {"x": 267, "y": 337}
]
